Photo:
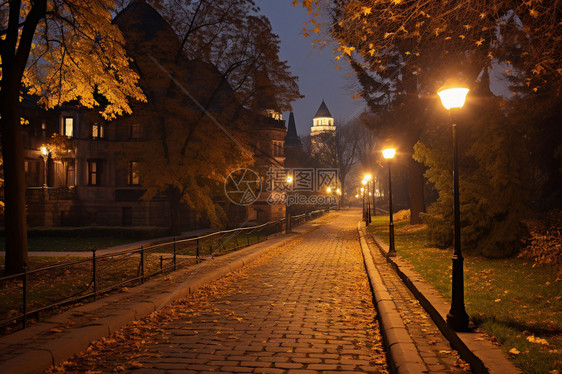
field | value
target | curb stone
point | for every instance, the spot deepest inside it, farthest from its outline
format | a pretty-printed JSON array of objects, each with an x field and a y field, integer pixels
[
  {"x": 403, "y": 355},
  {"x": 37, "y": 348},
  {"x": 481, "y": 354}
]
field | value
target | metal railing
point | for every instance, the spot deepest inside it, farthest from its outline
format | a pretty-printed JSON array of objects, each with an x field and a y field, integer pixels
[{"x": 26, "y": 295}]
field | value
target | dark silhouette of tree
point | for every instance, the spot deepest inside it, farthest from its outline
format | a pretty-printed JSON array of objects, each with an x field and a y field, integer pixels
[{"x": 62, "y": 51}]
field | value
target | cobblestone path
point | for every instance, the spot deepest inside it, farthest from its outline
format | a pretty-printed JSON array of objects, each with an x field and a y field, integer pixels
[
  {"x": 306, "y": 307},
  {"x": 434, "y": 349}
]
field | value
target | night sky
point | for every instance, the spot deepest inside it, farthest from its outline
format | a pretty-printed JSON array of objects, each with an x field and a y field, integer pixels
[{"x": 318, "y": 77}]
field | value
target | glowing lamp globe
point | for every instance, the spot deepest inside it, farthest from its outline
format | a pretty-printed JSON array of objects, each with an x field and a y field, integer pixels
[
  {"x": 388, "y": 153},
  {"x": 453, "y": 97},
  {"x": 368, "y": 177},
  {"x": 44, "y": 151}
]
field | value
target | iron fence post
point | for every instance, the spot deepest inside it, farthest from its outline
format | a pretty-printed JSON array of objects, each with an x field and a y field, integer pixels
[
  {"x": 142, "y": 264},
  {"x": 94, "y": 273},
  {"x": 24, "y": 291},
  {"x": 197, "y": 250},
  {"x": 161, "y": 265},
  {"x": 174, "y": 254}
]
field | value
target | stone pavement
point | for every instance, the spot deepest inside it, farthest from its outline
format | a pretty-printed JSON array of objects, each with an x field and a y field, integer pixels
[
  {"x": 474, "y": 347},
  {"x": 53, "y": 340},
  {"x": 305, "y": 307},
  {"x": 434, "y": 353}
]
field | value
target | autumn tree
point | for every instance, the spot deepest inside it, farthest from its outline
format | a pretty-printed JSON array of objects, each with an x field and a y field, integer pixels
[
  {"x": 232, "y": 36},
  {"x": 200, "y": 73},
  {"x": 62, "y": 50}
]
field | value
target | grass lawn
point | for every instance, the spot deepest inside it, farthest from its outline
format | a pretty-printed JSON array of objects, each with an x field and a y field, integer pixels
[
  {"x": 71, "y": 244},
  {"x": 54, "y": 285},
  {"x": 515, "y": 302}
]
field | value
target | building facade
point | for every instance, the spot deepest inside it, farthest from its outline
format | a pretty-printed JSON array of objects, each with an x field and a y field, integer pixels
[{"x": 79, "y": 178}]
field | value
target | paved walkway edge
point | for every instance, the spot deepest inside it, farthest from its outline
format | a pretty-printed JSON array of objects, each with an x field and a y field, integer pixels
[
  {"x": 62, "y": 347},
  {"x": 402, "y": 353},
  {"x": 481, "y": 354}
]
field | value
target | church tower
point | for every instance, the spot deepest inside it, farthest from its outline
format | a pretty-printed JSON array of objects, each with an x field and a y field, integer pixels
[{"x": 322, "y": 132}]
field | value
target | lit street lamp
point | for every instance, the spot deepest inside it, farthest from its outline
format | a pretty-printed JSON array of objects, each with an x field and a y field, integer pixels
[
  {"x": 45, "y": 154},
  {"x": 388, "y": 154},
  {"x": 364, "y": 211},
  {"x": 338, "y": 197},
  {"x": 457, "y": 318},
  {"x": 369, "y": 178},
  {"x": 289, "y": 181},
  {"x": 367, "y": 202}
]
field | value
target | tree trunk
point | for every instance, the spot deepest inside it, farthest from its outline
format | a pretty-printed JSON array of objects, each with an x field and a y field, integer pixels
[
  {"x": 416, "y": 194},
  {"x": 14, "y": 178},
  {"x": 174, "y": 198}
]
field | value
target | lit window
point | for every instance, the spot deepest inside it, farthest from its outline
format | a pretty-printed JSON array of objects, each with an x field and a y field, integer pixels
[
  {"x": 68, "y": 126},
  {"x": 133, "y": 178},
  {"x": 97, "y": 131},
  {"x": 94, "y": 172}
]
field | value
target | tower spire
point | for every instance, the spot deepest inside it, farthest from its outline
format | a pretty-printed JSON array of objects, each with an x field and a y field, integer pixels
[{"x": 292, "y": 139}]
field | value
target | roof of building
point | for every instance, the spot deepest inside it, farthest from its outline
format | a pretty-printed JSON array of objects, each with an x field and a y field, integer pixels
[
  {"x": 292, "y": 139},
  {"x": 264, "y": 98},
  {"x": 323, "y": 111}
]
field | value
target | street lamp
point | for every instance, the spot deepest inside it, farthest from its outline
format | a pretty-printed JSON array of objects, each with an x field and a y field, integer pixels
[
  {"x": 289, "y": 180},
  {"x": 388, "y": 154},
  {"x": 45, "y": 153},
  {"x": 338, "y": 199},
  {"x": 369, "y": 178},
  {"x": 364, "y": 211},
  {"x": 457, "y": 318},
  {"x": 365, "y": 183}
]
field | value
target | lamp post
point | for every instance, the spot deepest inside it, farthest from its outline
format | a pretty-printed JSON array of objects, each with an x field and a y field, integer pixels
[
  {"x": 374, "y": 192},
  {"x": 289, "y": 181},
  {"x": 369, "y": 178},
  {"x": 338, "y": 197},
  {"x": 367, "y": 202},
  {"x": 457, "y": 318},
  {"x": 388, "y": 154},
  {"x": 45, "y": 154},
  {"x": 364, "y": 211}
]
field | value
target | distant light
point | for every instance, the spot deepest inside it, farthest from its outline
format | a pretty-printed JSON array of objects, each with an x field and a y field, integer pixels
[
  {"x": 362, "y": 189},
  {"x": 289, "y": 179},
  {"x": 453, "y": 97},
  {"x": 357, "y": 196},
  {"x": 367, "y": 177},
  {"x": 44, "y": 151},
  {"x": 338, "y": 191},
  {"x": 364, "y": 182},
  {"x": 329, "y": 189},
  {"x": 388, "y": 153}
]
